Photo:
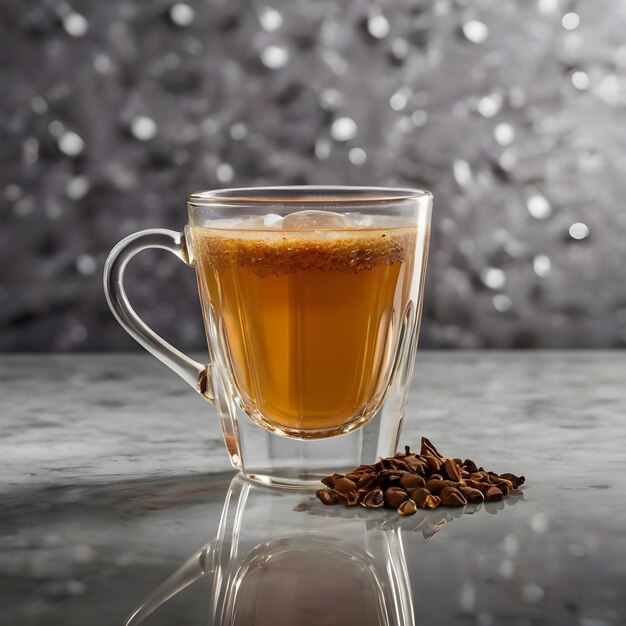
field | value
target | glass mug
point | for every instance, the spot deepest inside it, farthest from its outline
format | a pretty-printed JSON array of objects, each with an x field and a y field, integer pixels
[
  {"x": 274, "y": 562},
  {"x": 311, "y": 299}
]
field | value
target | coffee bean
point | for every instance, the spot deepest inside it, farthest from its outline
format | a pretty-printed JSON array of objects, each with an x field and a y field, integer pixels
[
  {"x": 437, "y": 486},
  {"x": 480, "y": 476},
  {"x": 433, "y": 463},
  {"x": 505, "y": 486},
  {"x": 344, "y": 485},
  {"x": 475, "y": 484},
  {"x": 407, "y": 508},
  {"x": 452, "y": 470},
  {"x": 483, "y": 487},
  {"x": 391, "y": 474},
  {"x": 428, "y": 449},
  {"x": 470, "y": 466},
  {"x": 367, "y": 480},
  {"x": 399, "y": 465},
  {"x": 395, "y": 496},
  {"x": 353, "y": 499},
  {"x": 417, "y": 466},
  {"x": 374, "y": 499},
  {"x": 412, "y": 481},
  {"x": 424, "y": 499},
  {"x": 493, "y": 494},
  {"x": 325, "y": 496},
  {"x": 340, "y": 497},
  {"x": 471, "y": 495},
  {"x": 517, "y": 481},
  {"x": 451, "y": 496},
  {"x": 329, "y": 481},
  {"x": 393, "y": 464}
]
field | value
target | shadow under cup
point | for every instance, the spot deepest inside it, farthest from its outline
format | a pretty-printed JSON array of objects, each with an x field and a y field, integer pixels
[{"x": 311, "y": 300}]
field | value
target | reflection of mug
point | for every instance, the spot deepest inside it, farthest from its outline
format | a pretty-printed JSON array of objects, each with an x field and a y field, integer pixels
[
  {"x": 273, "y": 565},
  {"x": 311, "y": 299},
  {"x": 281, "y": 557},
  {"x": 306, "y": 580}
]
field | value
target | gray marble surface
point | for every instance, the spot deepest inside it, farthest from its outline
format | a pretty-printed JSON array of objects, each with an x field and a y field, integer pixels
[{"x": 113, "y": 474}]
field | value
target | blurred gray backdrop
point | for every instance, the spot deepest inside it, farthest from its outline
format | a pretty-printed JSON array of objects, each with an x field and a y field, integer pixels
[{"x": 512, "y": 112}]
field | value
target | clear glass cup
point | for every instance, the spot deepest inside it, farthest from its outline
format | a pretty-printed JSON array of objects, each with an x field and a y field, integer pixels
[{"x": 311, "y": 299}]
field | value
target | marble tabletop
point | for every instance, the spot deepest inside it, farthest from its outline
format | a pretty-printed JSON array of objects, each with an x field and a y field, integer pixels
[{"x": 113, "y": 473}]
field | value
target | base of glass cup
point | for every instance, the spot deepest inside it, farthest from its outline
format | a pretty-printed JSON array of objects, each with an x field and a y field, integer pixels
[
  {"x": 356, "y": 422},
  {"x": 292, "y": 478},
  {"x": 278, "y": 461}
]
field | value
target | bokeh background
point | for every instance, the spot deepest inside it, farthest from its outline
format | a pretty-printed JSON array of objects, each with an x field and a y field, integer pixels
[{"x": 513, "y": 113}]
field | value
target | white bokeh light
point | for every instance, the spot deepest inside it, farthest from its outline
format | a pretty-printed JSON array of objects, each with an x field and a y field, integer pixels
[
  {"x": 493, "y": 277},
  {"x": 542, "y": 265},
  {"x": 182, "y": 14},
  {"x": 489, "y": 105},
  {"x": 400, "y": 99},
  {"x": 538, "y": 206},
  {"x": 378, "y": 26},
  {"x": 502, "y": 302},
  {"x": 419, "y": 118},
  {"x": 475, "y": 31},
  {"x": 77, "y": 187},
  {"x": 143, "y": 128},
  {"x": 504, "y": 134},
  {"x": 275, "y": 57},
  {"x": 462, "y": 172},
  {"x": 579, "y": 231},
  {"x": 570, "y": 21},
  {"x": 238, "y": 131},
  {"x": 548, "y": 6},
  {"x": 580, "y": 80},
  {"x": 357, "y": 156},
  {"x": 75, "y": 24},
  {"x": 71, "y": 144},
  {"x": 323, "y": 149},
  {"x": 86, "y": 264},
  {"x": 270, "y": 19},
  {"x": 343, "y": 129},
  {"x": 224, "y": 173}
]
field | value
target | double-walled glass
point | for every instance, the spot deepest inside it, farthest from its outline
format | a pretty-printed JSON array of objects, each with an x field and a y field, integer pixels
[{"x": 311, "y": 299}]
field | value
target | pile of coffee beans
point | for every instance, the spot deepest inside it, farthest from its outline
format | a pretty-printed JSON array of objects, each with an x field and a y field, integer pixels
[{"x": 408, "y": 481}]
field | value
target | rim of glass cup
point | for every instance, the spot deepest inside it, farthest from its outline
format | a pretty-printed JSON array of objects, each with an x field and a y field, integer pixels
[{"x": 335, "y": 195}]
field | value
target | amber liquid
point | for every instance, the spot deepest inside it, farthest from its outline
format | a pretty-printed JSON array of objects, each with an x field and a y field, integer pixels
[{"x": 307, "y": 321}]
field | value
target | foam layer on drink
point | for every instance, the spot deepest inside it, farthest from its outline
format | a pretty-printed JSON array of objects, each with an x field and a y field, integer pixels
[{"x": 281, "y": 250}]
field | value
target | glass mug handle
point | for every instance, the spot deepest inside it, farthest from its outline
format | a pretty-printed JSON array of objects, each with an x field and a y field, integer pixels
[
  {"x": 193, "y": 569},
  {"x": 193, "y": 373}
]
